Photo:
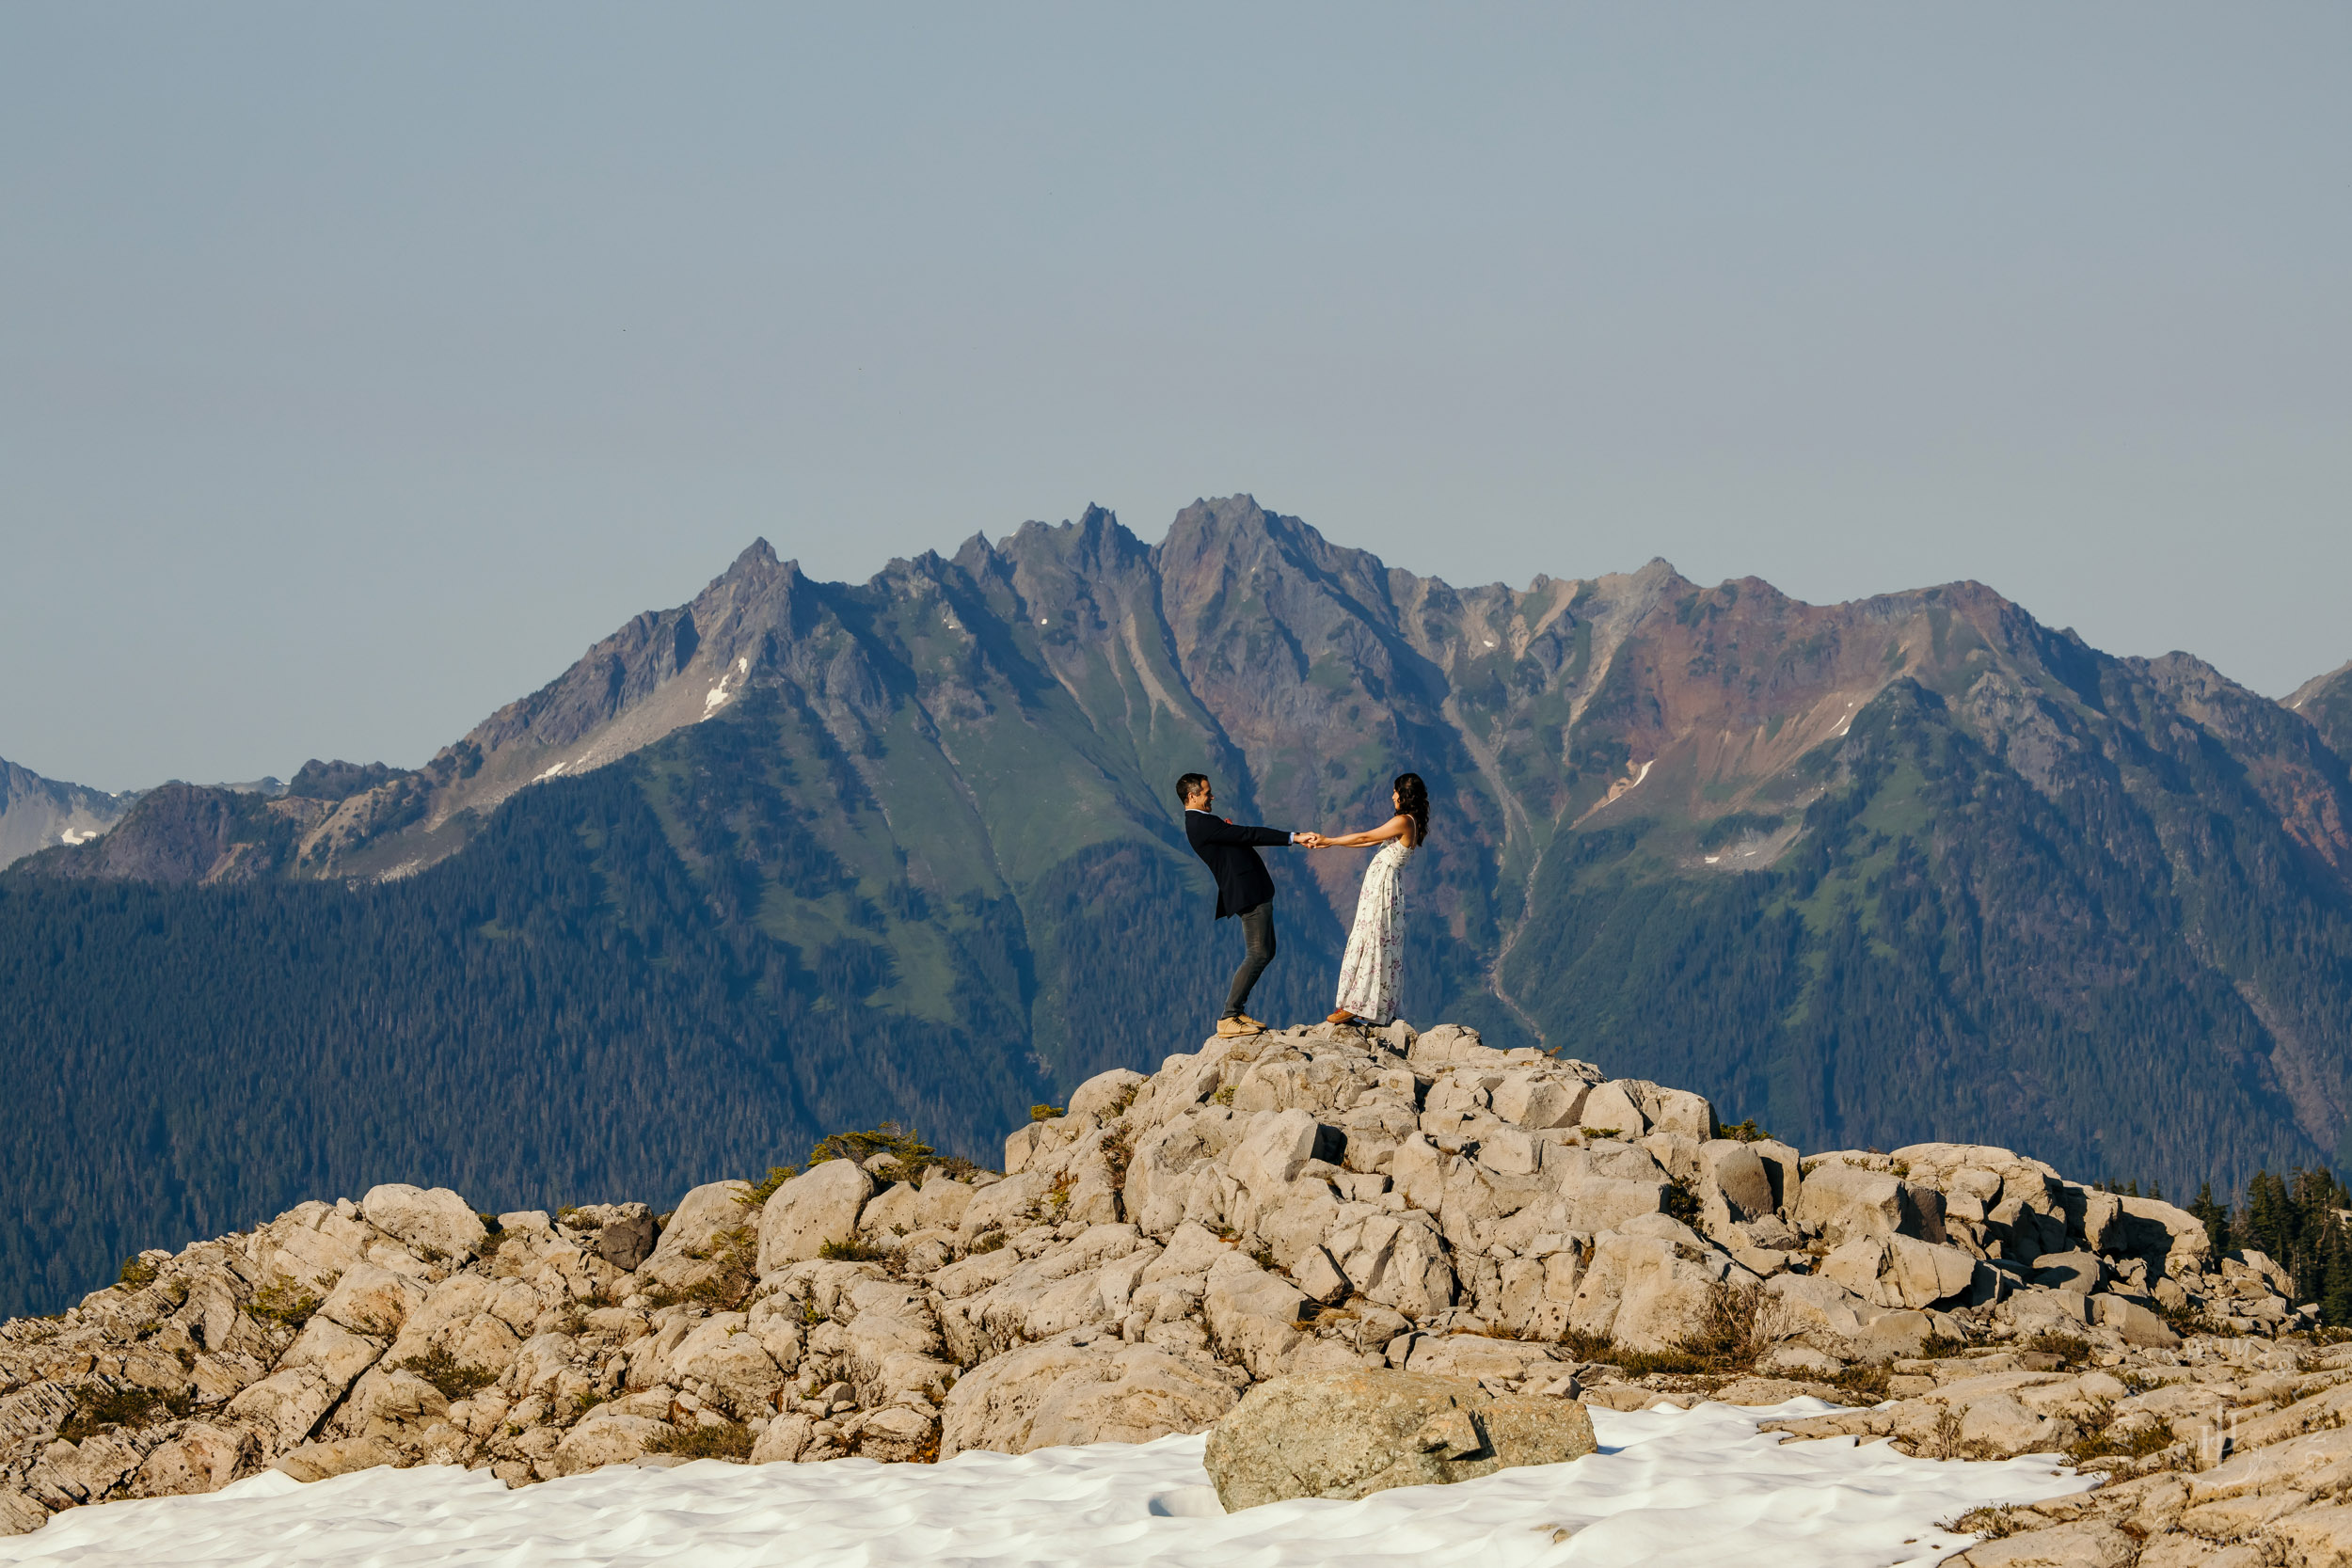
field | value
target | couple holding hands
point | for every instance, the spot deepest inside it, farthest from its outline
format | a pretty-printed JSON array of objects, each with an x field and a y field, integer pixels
[{"x": 1370, "y": 973}]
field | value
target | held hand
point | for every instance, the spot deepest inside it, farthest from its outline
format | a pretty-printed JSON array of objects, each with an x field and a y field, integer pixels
[{"x": 1311, "y": 841}]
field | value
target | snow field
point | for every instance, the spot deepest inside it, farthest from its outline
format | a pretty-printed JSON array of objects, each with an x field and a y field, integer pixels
[{"x": 1669, "y": 1487}]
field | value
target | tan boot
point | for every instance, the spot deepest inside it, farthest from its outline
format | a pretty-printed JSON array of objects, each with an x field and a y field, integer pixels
[
  {"x": 1256, "y": 1027},
  {"x": 1228, "y": 1027}
]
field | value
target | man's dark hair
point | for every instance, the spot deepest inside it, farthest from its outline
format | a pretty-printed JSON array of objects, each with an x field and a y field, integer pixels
[{"x": 1189, "y": 785}]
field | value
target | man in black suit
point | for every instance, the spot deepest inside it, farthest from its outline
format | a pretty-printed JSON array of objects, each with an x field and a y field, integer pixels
[{"x": 1243, "y": 889}]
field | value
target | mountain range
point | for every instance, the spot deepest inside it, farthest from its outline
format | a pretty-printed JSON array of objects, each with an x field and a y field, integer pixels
[
  {"x": 36, "y": 813},
  {"x": 800, "y": 853}
]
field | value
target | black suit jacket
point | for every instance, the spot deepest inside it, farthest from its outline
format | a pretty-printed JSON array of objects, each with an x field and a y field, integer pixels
[{"x": 1242, "y": 881}]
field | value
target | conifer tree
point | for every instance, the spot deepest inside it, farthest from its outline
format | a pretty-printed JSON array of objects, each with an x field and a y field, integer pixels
[
  {"x": 2215, "y": 1217},
  {"x": 2267, "y": 1221}
]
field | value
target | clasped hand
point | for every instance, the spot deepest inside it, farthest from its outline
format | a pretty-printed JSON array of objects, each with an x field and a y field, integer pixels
[{"x": 1314, "y": 841}]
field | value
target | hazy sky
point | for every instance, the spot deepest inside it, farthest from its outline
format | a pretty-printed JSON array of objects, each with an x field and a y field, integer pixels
[{"x": 359, "y": 366}]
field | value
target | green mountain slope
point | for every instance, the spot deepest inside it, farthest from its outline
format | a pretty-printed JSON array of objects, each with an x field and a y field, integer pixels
[
  {"x": 1946, "y": 953},
  {"x": 578, "y": 1002},
  {"x": 797, "y": 854}
]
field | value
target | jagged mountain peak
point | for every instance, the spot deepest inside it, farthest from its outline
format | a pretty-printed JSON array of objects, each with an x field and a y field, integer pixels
[
  {"x": 1258, "y": 640},
  {"x": 2325, "y": 703},
  {"x": 1097, "y": 539},
  {"x": 757, "y": 556},
  {"x": 1238, "y": 529}
]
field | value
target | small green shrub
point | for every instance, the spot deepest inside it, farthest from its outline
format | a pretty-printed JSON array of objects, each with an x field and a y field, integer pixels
[
  {"x": 138, "y": 1273},
  {"x": 1586, "y": 1347},
  {"x": 1747, "y": 1132},
  {"x": 729, "y": 1440},
  {"x": 2072, "y": 1351},
  {"x": 2185, "y": 1320},
  {"x": 2106, "y": 1443},
  {"x": 1991, "y": 1523},
  {"x": 1119, "y": 1154},
  {"x": 455, "y": 1380},
  {"x": 1868, "y": 1385},
  {"x": 1044, "y": 1112},
  {"x": 852, "y": 1251},
  {"x": 283, "y": 1302},
  {"x": 100, "y": 1407},
  {"x": 908, "y": 1152},
  {"x": 1682, "y": 1200},
  {"x": 987, "y": 1241},
  {"x": 899, "y": 1142}
]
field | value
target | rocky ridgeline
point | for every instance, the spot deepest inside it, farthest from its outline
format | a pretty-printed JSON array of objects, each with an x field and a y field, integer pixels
[{"x": 1312, "y": 1200}]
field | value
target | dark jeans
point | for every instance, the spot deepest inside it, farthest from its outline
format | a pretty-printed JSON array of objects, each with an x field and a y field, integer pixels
[{"x": 1257, "y": 928}]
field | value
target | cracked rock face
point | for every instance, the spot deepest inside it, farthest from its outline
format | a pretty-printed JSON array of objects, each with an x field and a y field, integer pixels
[{"x": 1260, "y": 1233}]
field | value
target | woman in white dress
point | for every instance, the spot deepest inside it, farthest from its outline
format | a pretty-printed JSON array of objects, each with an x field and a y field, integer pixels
[{"x": 1375, "y": 964}]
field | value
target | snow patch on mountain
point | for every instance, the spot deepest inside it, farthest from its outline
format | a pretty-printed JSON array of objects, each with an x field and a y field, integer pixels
[{"x": 1698, "y": 1487}]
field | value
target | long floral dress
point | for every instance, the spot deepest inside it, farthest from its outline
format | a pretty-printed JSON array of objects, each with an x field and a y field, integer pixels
[{"x": 1375, "y": 964}]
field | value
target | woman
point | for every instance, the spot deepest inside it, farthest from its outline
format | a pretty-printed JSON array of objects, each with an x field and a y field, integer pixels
[{"x": 1376, "y": 947}]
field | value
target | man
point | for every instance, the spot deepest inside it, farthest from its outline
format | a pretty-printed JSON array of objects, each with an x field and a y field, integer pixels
[{"x": 1243, "y": 889}]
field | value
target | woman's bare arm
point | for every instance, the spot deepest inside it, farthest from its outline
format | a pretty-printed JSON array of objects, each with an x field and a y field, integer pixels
[{"x": 1394, "y": 828}]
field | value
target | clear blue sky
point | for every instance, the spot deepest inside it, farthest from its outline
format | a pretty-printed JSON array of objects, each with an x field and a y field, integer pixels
[{"x": 359, "y": 366}]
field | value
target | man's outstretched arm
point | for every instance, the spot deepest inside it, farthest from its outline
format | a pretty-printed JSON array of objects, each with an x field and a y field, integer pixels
[{"x": 1203, "y": 828}]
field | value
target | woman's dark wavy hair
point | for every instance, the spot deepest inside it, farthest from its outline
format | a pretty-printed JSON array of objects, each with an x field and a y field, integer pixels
[{"x": 1412, "y": 799}]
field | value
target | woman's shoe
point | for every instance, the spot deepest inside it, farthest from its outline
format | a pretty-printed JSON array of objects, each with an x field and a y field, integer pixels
[{"x": 1344, "y": 1016}]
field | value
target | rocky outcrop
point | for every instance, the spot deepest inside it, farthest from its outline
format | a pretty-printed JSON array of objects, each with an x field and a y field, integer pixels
[
  {"x": 2225, "y": 1452},
  {"x": 812, "y": 1212},
  {"x": 1080, "y": 1387},
  {"x": 215, "y": 834},
  {"x": 1310, "y": 1215},
  {"x": 1351, "y": 1434}
]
